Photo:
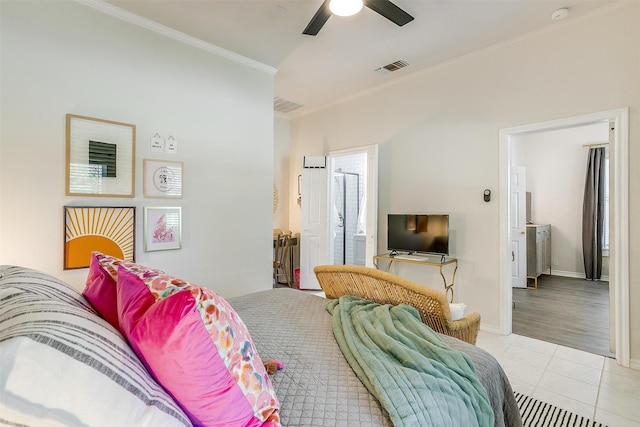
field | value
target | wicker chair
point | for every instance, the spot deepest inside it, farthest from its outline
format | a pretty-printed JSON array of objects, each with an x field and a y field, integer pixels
[{"x": 386, "y": 288}]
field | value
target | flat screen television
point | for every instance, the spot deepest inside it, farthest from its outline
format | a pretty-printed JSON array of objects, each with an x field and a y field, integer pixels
[{"x": 425, "y": 233}]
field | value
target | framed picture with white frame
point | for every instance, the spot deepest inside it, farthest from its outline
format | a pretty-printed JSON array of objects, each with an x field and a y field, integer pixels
[
  {"x": 162, "y": 179},
  {"x": 162, "y": 228}
]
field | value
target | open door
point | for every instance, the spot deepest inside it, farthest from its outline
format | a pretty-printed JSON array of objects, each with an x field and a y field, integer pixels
[
  {"x": 314, "y": 224},
  {"x": 518, "y": 227}
]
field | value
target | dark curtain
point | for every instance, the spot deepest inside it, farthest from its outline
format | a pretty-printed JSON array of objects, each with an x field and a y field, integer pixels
[{"x": 593, "y": 214}]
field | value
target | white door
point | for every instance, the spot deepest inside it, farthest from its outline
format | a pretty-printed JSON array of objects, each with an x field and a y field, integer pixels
[
  {"x": 314, "y": 242},
  {"x": 518, "y": 227}
]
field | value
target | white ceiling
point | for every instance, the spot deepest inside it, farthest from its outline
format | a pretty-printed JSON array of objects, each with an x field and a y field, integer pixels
[{"x": 339, "y": 62}]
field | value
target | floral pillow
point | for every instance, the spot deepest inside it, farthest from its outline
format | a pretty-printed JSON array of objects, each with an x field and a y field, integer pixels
[{"x": 197, "y": 347}]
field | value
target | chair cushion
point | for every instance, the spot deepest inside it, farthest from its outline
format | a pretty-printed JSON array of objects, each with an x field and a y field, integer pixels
[
  {"x": 197, "y": 347},
  {"x": 457, "y": 310}
]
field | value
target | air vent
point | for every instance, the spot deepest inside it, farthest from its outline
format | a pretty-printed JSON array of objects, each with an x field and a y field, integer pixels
[
  {"x": 284, "y": 106},
  {"x": 389, "y": 68}
]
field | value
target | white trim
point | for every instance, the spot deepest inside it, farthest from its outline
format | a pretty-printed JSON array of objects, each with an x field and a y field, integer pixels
[
  {"x": 620, "y": 272},
  {"x": 177, "y": 35},
  {"x": 621, "y": 235},
  {"x": 491, "y": 329}
]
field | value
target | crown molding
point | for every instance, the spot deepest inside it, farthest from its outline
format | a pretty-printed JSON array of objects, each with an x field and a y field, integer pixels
[{"x": 176, "y": 35}]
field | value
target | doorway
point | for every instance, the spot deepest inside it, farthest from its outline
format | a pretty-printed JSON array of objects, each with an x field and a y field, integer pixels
[
  {"x": 353, "y": 201},
  {"x": 348, "y": 222},
  {"x": 319, "y": 221},
  {"x": 563, "y": 307},
  {"x": 619, "y": 275}
]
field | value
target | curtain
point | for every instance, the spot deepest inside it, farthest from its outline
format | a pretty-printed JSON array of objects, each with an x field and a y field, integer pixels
[{"x": 593, "y": 214}]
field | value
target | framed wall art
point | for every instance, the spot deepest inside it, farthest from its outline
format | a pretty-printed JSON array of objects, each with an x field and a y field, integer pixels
[
  {"x": 162, "y": 228},
  {"x": 110, "y": 230},
  {"x": 100, "y": 157},
  {"x": 162, "y": 179}
]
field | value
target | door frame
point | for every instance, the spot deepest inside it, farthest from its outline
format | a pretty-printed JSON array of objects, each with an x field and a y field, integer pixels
[{"x": 619, "y": 274}]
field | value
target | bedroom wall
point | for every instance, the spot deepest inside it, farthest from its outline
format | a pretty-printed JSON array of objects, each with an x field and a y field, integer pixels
[
  {"x": 281, "y": 146},
  {"x": 64, "y": 57},
  {"x": 556, "y": 164},
  {"x": 438, "y": 134}
]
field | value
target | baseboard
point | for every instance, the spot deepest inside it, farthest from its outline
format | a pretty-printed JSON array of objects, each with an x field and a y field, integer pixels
[
  {"x": 490, "y": 329},
  {"x": 633, "y": 363},
  {"x": 575, "y": 275}
]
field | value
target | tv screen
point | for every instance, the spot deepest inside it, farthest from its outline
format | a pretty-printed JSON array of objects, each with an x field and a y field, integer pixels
[{"x": 418, "y": 233}]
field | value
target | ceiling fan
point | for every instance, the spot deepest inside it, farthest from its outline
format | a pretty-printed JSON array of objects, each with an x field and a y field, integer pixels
[{"x": 384, "y": 7}]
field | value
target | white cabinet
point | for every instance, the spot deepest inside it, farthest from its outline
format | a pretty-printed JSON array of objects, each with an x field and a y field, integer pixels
[{"x": 538, "y": 251}]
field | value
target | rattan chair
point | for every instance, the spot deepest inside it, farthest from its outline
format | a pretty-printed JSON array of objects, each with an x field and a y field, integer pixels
[{"x": 386, "y": 288}]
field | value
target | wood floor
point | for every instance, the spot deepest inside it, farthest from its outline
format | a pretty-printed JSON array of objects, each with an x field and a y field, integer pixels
[{"x": 566, "y": 311}]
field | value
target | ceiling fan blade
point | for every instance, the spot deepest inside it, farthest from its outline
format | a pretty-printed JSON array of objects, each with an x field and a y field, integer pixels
[
  {"x": 389, "y": 10},
  {"x": 318, "y": 20}
]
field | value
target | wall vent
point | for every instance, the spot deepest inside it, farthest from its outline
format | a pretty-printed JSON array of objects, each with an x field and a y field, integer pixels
[
  {"x": 284, "y": 106},
  {"x": 389, "y": 68}
]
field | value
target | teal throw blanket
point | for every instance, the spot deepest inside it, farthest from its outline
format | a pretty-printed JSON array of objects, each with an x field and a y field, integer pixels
[{"x": 417, "y": 378}]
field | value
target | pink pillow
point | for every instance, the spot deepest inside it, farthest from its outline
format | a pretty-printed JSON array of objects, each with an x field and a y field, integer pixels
[
  {"x": 197, "y": 347},
  {"x": 100, "y": 288}
]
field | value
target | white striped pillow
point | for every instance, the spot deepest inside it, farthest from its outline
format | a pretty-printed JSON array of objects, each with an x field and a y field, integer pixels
[{"x": 62, "y": 364}]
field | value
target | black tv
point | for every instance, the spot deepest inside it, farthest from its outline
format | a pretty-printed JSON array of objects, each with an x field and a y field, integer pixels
[{"x": 424, "y": 233}]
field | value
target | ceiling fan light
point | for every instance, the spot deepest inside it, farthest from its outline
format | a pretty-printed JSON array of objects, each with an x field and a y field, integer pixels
[{"x": 345, "y": 7}]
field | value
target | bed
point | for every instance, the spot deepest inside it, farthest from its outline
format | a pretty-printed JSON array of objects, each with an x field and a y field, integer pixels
[{"x": 63, "y": 364}]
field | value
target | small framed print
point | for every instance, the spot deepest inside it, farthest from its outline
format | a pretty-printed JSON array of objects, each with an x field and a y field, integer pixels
[
  {"x": 162, "y": 228},
  {"x": 162, "y": 179}
]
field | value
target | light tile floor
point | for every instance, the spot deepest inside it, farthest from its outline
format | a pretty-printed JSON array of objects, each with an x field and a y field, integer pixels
[{"x": 587, "y": 384}]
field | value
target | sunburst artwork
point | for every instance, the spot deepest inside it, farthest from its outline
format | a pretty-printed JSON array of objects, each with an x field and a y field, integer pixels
[{"x": 110, "y": 230}]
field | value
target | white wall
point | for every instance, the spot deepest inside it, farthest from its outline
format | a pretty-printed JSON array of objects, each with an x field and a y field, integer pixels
[
  {"x": 438, "y": 133},
  {"x": 63, "y": 57},
  {"x": 556, "y": 164},
  {"x": 281, "y": 142}
]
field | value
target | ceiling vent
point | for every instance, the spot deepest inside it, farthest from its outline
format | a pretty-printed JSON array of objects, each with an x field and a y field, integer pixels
[
  {"x": 389, "y": 68},
  {"x": 284, "y": 106}
]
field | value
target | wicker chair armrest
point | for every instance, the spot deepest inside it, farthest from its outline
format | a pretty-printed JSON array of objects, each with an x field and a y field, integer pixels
[
  {"x": 386, "y": 288},
  {"x": 466, "y": 328}
]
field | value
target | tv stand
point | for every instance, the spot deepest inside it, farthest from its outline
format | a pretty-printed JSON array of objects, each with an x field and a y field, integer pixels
[{"x": 428, "y": 260}]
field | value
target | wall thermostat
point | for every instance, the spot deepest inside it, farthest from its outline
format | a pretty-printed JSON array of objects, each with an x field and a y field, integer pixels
[{"x": 487, "y": 195}]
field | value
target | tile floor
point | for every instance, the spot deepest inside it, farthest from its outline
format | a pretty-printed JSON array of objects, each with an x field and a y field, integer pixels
[{"x": 587, "y": 384}]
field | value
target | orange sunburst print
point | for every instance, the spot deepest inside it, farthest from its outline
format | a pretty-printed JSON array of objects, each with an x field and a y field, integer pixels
[{"x": 110, "y": 230}]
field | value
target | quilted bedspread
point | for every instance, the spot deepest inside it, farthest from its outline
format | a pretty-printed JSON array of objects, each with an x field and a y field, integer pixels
[
  {"x": 417, "y": 378},
  {"x": 317, "y": 386}
]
